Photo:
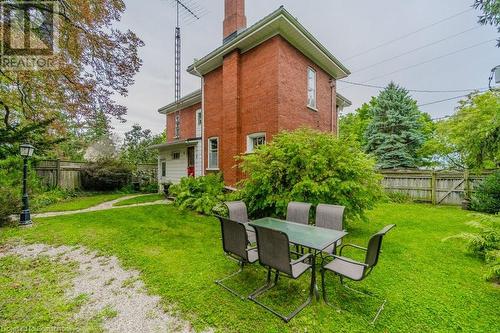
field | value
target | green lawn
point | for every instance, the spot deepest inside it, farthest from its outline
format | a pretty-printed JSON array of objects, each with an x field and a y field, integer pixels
[
  {"x": 141, "y": 199},
  {"x": 80, "y": 202},
  {"x": 431, "y": 285},
  {"x": 32, "y": 297}
]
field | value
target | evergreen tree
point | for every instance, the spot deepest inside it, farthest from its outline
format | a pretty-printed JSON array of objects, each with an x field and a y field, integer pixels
[{"x": 395, "y": 135}]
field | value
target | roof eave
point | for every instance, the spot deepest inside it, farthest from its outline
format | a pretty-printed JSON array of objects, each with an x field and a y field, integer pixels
[
  {"x": 345, "y": 102},
  {"x": 192, "y": 141},
  {"x": 187, "y": 101}
]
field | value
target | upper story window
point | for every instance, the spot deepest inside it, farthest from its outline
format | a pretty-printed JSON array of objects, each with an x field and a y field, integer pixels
[
  {"x": 213, "y": 153},
  {"x": 198, "y": 118},
  {"x": 311, "y": 88},
  {"x": 177, "y": 129},
  {"x": 255, "y": 140}
]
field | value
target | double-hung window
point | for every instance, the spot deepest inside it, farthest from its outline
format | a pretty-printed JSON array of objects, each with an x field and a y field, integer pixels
[
  {"x": 213, "y": 153},
  {"x": 255, "y": 140},
  {"x": 311, "y": 88},
  {"x": 177, "y": 130}
]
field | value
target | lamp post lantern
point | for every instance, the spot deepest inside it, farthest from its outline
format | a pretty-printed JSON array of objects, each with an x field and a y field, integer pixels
[{"x": 26, "y": 152}]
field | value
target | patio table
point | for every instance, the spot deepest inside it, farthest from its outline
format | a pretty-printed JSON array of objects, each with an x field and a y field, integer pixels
[{"x": 315, "y": 238}]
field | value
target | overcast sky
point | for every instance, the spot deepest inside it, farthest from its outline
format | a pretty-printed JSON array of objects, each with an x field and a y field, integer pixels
[{"x": 346, "y": 28}]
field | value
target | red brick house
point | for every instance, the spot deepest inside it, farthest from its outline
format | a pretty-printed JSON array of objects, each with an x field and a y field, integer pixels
[{"x": 263, "y": 79}]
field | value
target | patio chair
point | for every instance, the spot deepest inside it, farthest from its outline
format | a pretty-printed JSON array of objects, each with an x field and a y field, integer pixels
[
  {"x": 274, "y": 253},
  {"x": 298, "y": 212},
  {"x": 330, "y": 217},
  {"x": 354, "y": 270},
  {"x": 235, "y": 244},
  {"x": 238, "y": 212}
]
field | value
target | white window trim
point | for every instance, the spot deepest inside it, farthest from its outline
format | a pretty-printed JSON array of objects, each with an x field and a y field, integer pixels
[
  {"x": 209, "y": 151},
  {"x": 313, "y": 107},
  {"x": 250, "y": 137},
  {"x": 162, "y": 162}
]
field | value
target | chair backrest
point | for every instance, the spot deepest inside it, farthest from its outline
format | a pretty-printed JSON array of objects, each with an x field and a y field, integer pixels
[
  {"x": 330, "y": 216},
  {"x": 274, "y": 250},
  {"x": 234, "y": 238},
  {"x": 237, "y": 211},
  {"x": 374, "y": 245},
  {"x": 298, "y": 212}
]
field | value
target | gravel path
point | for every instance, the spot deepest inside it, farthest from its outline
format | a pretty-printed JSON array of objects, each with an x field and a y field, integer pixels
[
  {"x": 103, "y": 206},
  {"x": 108, "y": 286}
]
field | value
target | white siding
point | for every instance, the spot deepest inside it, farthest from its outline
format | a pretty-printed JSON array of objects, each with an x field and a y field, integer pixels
[
  {"x": 176, "y": 169},
  {"x": 198, "y": 155}
]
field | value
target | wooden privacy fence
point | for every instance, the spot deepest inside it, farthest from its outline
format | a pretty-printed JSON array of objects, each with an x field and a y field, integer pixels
[
  {"x": 67, "y": 174},
  {"x": 436, "y": 187}
]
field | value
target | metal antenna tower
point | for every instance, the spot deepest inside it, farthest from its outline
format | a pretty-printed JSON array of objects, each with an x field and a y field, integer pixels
[{"x": 189, "y": 11}]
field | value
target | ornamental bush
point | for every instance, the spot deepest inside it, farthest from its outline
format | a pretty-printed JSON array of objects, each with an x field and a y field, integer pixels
[
  {"x": 486, "y": 199},
  {"x": 201, "y": 194},
  {"x": 106, "y": 175},
  {"x": 309, "y": 166}
]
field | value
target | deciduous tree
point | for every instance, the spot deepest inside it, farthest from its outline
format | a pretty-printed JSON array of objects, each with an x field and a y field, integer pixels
[
  {"x": 96, "y": 61},
  {"x": 471, "y": 137},
  {"x": 491, "y": 13}
]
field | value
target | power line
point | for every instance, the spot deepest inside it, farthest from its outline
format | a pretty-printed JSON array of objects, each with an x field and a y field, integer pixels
[
  {"x": 429, "y": 61},
  {"x": 411, "y": 90},
  {"x": 447, "y": 99},
  {"x": 442, "y": 100},
  {"x": 414, "y": 50},
  {"x": 408, "y": 34}
]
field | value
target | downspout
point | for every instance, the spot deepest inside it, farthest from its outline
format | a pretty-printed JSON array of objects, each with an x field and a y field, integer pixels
[
  {"x": 334, "y": 104},
  {"x": 202, "y": 120}
]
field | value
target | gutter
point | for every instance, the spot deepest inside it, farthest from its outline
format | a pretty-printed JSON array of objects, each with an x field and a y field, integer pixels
[{"x": 202, "y": 120}]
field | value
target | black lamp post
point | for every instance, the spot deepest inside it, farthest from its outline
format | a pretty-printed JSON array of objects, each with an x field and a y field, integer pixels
[{"x": 26, "y": 152}]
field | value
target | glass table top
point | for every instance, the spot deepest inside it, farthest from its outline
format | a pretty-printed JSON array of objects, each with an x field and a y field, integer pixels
[{"x": 306, "y": 235}]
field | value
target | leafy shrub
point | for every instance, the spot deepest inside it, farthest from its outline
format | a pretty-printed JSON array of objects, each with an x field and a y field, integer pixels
[
  {"x": 105, "y": 175},
  {"x": 150, "y": 188},
  {"x": 486, "y": 243},
  {"x": 486, "y": 199},
  {"x": 11, "y": 177},
  {"x": 53, "y": 196},
  {"x": 146, "y": 181},
  {"x": 201, "y": 194},
  {"x": 492, "y": 259},
  {"x": 309, "y": 166}
]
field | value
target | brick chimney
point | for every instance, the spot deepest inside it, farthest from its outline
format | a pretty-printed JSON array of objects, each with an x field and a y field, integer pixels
[{"x": 235, "y": 19}]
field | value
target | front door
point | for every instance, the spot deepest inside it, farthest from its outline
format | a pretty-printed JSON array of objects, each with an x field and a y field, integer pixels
[{"x": 190, "y": 156}]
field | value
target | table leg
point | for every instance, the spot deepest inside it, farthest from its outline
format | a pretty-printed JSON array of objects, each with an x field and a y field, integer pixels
[{"x": 313, "y": 277}]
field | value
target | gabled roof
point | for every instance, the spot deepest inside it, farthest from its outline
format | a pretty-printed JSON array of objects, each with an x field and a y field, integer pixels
[
  {"x": 186, "y": 101},
  {"x": 282, "y": 23}
]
